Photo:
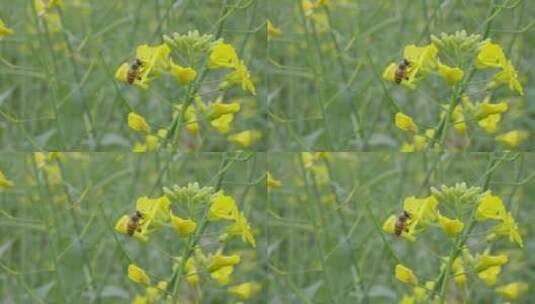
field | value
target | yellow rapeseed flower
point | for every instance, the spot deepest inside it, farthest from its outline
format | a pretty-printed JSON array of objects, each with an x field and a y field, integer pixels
[
  {"x": 422, "y": 210},
  {"x": 223, "y": 123},
  {"x": 485, "y": 261},
  {"x": 272, "y": 182},
  {"x": 241, "y": 228},
  {"x": 183, "y": 75},
  {"x": 490, "y": 275},
  {"x": 490, "y": 207},
  {"x": 490, "y": 55},
  {"x": 457, "y": 119},
  {"x": 218, "y": 261},
  {"x": 490, "y": 123},
  {"x": 509, "y": 76},
  {"x": 485, "y": 109},
  {"x": 240, "y": 76},
  {"x": 216, "y": 109},
  {"x": 4, "y": 182},
  {"x": 222, "y": 275},
  {"x": 451, "y": 227},
  {"x": 513, "y": 291},
  {"x": 405, "y": 275},
  {"x": 459, "y": 271},
  {"x": 155, "y": 210},
  {"x": 223, "y": 55},
  {"x": 451, "y": 75},
  {"x": 509, "y": 227},
  {"x": 183, "y": 227},
  {"x": 138, "y": 123},
  {"x": 405, "y": 123},
  {"x": 4, "y": 30},
  {"x": 513, "y": 139},
  {"x": 222, "y": 207},
  {"x": 272, "y": 31},
  {"x": 138, "y": 275},
  {"x": 245, "y": 138},
  {"x": 245, "y": 291}
]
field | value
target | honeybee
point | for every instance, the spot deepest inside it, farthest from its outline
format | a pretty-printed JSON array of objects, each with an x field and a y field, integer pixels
[
  {"x": 401, "y": 71},
  {"x": 133, "y": 71},
  {"x": 133, "y": 223},
  {"x": 401, "y": 223}
]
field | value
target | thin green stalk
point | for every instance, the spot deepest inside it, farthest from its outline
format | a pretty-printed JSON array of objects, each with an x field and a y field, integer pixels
[
  {"x": 345, "y": 231},
  {"x": 317, "y": 72},
  {"x": 319, "y": 248}
]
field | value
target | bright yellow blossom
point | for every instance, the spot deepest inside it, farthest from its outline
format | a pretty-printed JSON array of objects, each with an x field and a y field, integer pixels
[
  {"x": 241, "y": 228},
  {"x": 490, "y": 275},
  {"x": 509, "y": 227},
  {"x": 222, "y": 207},
  {"x": 490, "y": 123},
  {"x": 183, "y": 227},
  {"x": 513, "y": 139},
  {"x": 509, "y": 76},
  {"x": 245, "y": 291},
  {"x": 218, "y": 261},
  {"x": 241, "y": 76},
  {"x": 451, "y": 75},
  {"x": 183, "y": 75},
  {"x": 490, "y": 55},
  {"x": 217, "y": 109},
  {"x": 223, "y": 123},
  {"x": 222, "y": 275},
  {"x": 485, "y": 109},
  {"x": 138, "y": 275},
  {"x": 405, "y": 123},
  {"x": 405, "y": 275},
  {"x": 155, "y": 210},
  {"x": 245, "y": 138},
  {"x": 223, "y": 55},
  {"x": 490, "y": 207},
  {"x": 485, "y": 261},
  {"x": 451, "y": 227},
  {"x": 513, "y": 291},
  {"x": 138, "y": 123}
]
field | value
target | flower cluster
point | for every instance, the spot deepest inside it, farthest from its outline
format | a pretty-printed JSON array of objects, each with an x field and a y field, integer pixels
[
  {"x": 188, "y": 59},
  {"x": 456, "y": 59},
  {"x": 188, "y": 211},
  {"x": 471, "y": 206}
]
